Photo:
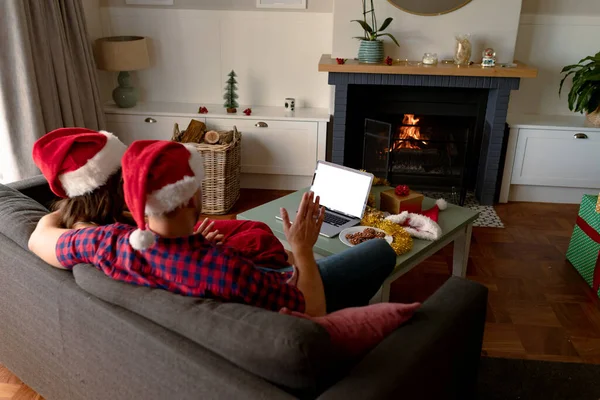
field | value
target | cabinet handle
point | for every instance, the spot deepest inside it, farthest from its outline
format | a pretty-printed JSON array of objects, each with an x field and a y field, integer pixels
[
  {"x": 150, "y": 120},
  {"x": 262, "y": 125},
  {"x": 580, "y": 136}
]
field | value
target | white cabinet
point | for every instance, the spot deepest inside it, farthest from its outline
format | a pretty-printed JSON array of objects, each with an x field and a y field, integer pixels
[
  {"x": 564, "y": 158},
  {"x": 551, "y": 162},
  {"x": 138, "y": 127},
  {"x": 274, "y": 147},
  {"x": 278, "y": 151}
]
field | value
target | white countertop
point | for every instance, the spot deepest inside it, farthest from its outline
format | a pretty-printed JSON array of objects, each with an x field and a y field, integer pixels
[
  {"x": 549, "y": 122},
  {"x": 217, "y": 111}
]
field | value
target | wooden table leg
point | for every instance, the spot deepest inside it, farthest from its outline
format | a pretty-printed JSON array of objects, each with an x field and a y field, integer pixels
[
  {"x": 462, "y": 245},
  {"x": 383, "y": 294}
]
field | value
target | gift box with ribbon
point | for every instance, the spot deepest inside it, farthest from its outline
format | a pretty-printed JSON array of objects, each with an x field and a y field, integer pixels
[
  {"x": 584, "y": 248},
  {"x": 400, "y": 199}
]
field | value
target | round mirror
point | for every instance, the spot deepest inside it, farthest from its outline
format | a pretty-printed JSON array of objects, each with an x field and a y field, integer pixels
[{"x": 429, "y": 7}]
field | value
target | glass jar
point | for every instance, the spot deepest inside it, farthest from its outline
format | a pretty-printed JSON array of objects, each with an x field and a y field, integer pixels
[
  {"x": 430, "y": 59},
  {"x": 462, "y": 52}
]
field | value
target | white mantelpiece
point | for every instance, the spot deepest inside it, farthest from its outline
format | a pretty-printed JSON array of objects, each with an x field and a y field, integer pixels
[{"x": 492, "y": 23}]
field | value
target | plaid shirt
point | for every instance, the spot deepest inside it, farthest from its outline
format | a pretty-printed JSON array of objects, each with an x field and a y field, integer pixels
[{"x": 190, "y": 266}]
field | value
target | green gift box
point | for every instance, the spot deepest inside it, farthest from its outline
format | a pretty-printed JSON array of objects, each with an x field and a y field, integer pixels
[{"x": 584, "y": 248}]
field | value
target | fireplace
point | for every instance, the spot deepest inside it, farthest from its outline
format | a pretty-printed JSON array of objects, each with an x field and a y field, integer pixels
[
  {"x": 462, "y": 120},
  {"x": 424, "y": 152}
]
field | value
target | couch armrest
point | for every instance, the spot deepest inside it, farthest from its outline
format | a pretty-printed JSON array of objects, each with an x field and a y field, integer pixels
[
  {"x": 434, "y": 356},
  {"x": 37, "y": 188}
]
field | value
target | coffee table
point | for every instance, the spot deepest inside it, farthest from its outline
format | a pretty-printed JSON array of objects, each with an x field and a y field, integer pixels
[{"x": 456, "y": 223}]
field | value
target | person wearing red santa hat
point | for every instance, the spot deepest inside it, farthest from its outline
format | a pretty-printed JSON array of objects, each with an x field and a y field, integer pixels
[
  {"x": 83, "y": 169},
  {"x": 162, "y": 181}
]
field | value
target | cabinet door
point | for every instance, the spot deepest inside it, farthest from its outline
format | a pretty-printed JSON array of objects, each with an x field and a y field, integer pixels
[
  {"x": 557, "y": 158},
  {"x": 274, "y": 147},
  {"x": 140, "y": 127}
]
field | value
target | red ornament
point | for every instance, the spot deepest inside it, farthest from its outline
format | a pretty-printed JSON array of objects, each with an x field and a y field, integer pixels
[
  {"x": 341, "y": 61},
  {"x": 402, "y": 190},
  {"x": 248, "y": 111},
  {"x": 389, "y": 60},
  {"x": 203, "y": 110}
]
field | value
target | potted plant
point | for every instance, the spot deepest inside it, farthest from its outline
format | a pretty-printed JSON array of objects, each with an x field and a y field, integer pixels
[
  {"x": 371, "y": 47},
  {"x": 585, "y": 93}
]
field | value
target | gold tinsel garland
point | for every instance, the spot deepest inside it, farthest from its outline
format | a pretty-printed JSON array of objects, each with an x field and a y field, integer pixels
[{"x": 402, "y": 242}]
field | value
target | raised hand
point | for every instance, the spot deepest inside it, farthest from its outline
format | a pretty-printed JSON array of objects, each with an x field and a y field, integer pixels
[
  {"x": 206, "y": 229},
  {"x": 304, "y": 232}
]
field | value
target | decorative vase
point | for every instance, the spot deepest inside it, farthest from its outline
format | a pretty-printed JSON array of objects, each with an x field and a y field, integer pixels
[
  {"x": 462, "y": 51},
  {"x": 593, "y": 118},
  {"x": 125, "y": 95},
  {"x": 370, "y": 51}
]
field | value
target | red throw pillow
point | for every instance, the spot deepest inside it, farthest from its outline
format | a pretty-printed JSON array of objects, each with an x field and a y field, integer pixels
[{"x": 355, "y": 331}]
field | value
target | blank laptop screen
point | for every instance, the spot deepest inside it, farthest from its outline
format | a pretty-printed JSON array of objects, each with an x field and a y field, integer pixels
[{"x": 341, "y": 190}]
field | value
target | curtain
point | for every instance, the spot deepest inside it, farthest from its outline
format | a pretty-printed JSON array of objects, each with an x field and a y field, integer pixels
[{"x": 48, "y": 78}]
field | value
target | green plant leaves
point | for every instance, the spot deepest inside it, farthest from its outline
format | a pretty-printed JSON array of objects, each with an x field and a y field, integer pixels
[
  {"x": 390, "y": 36},
  {"x": 584, "y": 95},
  {"x": 364, "y": 25},
  {"x": 385, "y": 24}
]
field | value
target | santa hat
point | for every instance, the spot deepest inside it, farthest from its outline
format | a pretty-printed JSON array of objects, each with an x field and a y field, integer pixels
[
  {"x": 158, "y": 176},
  {"x": 77, "y": 161},
  {"x": 422, "y": 225},
  {"x": 434, "y": 212}
]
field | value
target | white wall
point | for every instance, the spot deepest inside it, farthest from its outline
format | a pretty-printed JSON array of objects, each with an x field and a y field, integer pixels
[
  {"x": 274, "y": 53},
  {"x": 561, "y": 7},
  {"x": 550, "y": 42},
  {"x": 491, "y": 22},
  {"x": 245, "y": 5}
]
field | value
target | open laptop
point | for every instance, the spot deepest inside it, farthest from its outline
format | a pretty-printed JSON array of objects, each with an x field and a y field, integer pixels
[{"x": 344, "y": 193}]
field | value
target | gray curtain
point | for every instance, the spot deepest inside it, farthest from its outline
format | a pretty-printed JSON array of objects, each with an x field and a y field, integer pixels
[{"x": 48, "y": 78}]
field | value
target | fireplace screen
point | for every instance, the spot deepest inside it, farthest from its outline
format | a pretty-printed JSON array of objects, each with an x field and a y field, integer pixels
[{"x": 424, "y": 152}]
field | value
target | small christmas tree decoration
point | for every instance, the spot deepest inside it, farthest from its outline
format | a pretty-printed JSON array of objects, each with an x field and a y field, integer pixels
[{"x": 230, "y": 95}]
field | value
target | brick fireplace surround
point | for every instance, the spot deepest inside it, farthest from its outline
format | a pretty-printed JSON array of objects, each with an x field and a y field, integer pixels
[{"x": 498, "y": 81}]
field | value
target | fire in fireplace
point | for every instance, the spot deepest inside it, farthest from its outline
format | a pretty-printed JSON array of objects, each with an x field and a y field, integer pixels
[{"x": 425, "y": 151}]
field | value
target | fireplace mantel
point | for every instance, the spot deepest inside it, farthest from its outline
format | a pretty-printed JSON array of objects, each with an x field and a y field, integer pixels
[
  {"x": 497, "y": 81},
  {"x": 328, "y": 64}
]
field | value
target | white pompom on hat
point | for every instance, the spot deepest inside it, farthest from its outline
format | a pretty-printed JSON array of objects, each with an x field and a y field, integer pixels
[{"x": 158, "y": 176}]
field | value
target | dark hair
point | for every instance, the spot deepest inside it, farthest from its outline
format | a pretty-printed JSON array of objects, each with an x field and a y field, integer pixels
[{"x": 103, "y": 206}]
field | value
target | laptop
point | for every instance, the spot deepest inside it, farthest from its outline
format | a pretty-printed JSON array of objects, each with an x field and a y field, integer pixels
[{"x": 343, "y": 192}]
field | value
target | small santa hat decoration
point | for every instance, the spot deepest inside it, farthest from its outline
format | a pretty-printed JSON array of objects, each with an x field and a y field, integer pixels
[
  {"x": 158, "y": 176},
  {"x": 421, "y": 225},
  {"x": 77, "y": 161},
  {"x": 434, "y": 212}
]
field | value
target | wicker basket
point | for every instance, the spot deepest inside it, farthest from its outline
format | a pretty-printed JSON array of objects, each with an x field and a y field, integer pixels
[{"x": 221, "y": 184}]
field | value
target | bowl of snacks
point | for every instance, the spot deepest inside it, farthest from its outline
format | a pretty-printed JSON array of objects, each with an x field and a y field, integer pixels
[{"x": 358, "y": 234}]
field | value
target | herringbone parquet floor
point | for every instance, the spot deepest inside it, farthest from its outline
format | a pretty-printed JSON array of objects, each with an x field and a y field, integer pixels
[{"x": 539, "y": 307}]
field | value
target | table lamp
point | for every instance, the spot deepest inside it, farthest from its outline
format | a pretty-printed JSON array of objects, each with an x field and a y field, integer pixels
[{"x": 123, "y": 54}]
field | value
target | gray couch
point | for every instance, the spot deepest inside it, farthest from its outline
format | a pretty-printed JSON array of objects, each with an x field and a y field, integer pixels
[{"x": 80, "y": 335}]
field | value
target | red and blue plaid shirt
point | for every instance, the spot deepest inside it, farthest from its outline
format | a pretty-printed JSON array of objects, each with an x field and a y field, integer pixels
[{"x": 190, "y": 266}]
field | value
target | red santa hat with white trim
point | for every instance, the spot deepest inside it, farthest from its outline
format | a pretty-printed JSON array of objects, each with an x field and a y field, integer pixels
[
  {"x": 159, "y": 176},
  {"x": 423, "y": 225},
  {"x": 77, "y": 161}
]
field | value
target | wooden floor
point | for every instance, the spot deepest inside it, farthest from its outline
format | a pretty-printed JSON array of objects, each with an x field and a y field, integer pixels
[{"x": 539, "y": 307}]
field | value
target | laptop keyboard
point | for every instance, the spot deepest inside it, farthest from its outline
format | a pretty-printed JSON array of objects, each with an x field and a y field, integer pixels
[{"x": 335, "y": 220}]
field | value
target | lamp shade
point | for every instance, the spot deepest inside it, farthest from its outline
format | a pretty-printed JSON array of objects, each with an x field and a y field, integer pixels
[{"x": 122, "y": 53}]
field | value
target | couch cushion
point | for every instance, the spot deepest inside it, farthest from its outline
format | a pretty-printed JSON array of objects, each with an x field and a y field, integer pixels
[
  {"x": 19, "y": 215},
  {"x": 285, "y": 350}
]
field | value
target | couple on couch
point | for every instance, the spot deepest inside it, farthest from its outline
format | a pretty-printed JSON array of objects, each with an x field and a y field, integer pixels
[{"x": 96, "y": 175}]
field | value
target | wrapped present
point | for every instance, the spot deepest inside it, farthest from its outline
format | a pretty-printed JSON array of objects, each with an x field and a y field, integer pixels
[
  {"x": 395, "y": 204},
  {"x": 584, "y": 248}
]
